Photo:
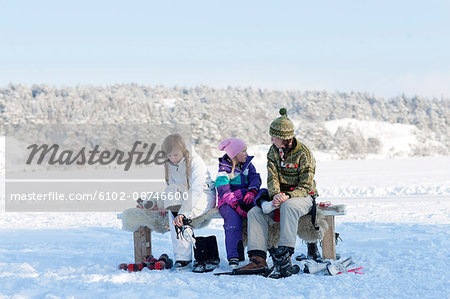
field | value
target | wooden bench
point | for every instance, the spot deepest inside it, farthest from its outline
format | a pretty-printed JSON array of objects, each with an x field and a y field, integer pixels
[
  {"x": 329, "y": 241},
  {"x": 143, "y": 244}
]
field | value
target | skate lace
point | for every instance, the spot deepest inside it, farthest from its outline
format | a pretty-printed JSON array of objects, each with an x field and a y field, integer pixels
[
  {"x": 186, "y": 232},
  {"x": 337, "y": 239}
]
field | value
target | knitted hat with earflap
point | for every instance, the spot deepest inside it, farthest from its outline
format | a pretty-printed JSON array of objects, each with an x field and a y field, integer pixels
[{"x": 282, "y": 127}]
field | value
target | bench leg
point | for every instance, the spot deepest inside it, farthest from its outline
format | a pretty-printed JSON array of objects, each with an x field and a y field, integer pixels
[
  {"x": 142, "y": 243},
  {"x": 328, "y": 242}
]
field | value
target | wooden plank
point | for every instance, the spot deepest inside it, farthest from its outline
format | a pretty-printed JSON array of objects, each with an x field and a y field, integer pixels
[
  {"x": 142, "y": 243},
  {"x": 328, "y": 242},
  {"x": 333, "y": 213}
]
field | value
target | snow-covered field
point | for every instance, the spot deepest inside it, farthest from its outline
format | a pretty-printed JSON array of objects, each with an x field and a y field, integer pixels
[{"x": 397, "y": 227}]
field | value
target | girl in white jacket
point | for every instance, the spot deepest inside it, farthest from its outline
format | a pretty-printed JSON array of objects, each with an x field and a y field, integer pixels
[{"x": 190, "y": 192}]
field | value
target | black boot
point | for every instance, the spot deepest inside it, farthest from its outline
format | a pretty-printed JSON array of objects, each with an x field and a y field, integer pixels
[
  {"x": 213, "y": 260},
  {"x": 200, "y": 254},
  {"x": 313, "y": 252},
  {"x": 282, "y": 266},
  {"x": 240, "y": 249},
  {"x": 206, "y": 254}
]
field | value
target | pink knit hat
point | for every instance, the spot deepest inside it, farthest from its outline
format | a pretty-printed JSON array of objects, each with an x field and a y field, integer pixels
[{"x": 232, "y": 146}]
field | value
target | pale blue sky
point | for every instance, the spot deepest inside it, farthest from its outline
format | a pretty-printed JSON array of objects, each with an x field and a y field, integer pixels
[{"x": 382, "y": 47}]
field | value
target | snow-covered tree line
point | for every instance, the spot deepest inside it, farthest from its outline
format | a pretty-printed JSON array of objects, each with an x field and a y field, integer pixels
[{"x": 243, "y": 112}]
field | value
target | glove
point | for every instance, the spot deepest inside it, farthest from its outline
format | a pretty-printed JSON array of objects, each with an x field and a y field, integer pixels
[
  {"x": 237, "y": 208},
  {"x": 250, "y": 196},
  {"x": 241, "y": 212},
  {"x": 231, "y": 197}
]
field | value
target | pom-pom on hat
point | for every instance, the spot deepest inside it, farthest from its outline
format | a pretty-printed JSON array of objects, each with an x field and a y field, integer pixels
[
  {"x": 232, "y": 146},
  {"x": 282, "y": 127}
]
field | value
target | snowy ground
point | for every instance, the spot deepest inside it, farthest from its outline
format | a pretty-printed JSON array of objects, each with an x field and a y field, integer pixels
[{"x": 397, "y": 227}]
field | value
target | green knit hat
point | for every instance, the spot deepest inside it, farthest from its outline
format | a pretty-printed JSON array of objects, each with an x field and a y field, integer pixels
[{"x": 282, "y": 127}]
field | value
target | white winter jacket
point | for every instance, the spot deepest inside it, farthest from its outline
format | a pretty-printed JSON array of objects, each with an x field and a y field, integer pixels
[{"x": 201, "y": 196}]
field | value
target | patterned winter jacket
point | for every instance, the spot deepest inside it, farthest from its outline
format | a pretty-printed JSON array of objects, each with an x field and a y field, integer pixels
[
  {"x": 292, "y": 174},
  {"x": 232, "y": 189}
]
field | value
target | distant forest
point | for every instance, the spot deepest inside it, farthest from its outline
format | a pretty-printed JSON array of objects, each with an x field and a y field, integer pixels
[{"x": 242, "y": 112}]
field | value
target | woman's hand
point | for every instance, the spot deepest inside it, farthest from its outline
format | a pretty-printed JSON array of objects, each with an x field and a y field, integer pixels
[
  {"x": 279, "y": 199},
  {"x": 178, "y": 221}
]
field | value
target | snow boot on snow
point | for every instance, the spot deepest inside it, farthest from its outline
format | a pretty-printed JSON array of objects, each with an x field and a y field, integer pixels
[
  {"x": 282, "y": 266},
  {"x": 233, "y": 263},
  {"x": 206, "y": 254},
  {"x": 213, "y": 254},
  {"x": 179, "y": 265},
  {"x": 313, "y": 252},
  {"x": 257, "y": 264}
]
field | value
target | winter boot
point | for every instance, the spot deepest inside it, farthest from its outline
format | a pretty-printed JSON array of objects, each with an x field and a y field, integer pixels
[
  {"x": 257, "y": 264},
  {"x": 181, "y": 264},
  {"x": 206, "y": 254},
  {"x": 233, "y": 262},
  {"x": 240, "y": 248},
  {"x": 282, "y": 266},
  {"x": 213, "y": 259},
  {"x": 200, "y": 254},
  {"x": 313, "y": 252},
  {"x": 199, "y": 267}
]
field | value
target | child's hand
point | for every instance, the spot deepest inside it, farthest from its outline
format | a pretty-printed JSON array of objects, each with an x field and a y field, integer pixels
[
  {"x": 276, "y": 203},
  {"x": 279, "y": 199}
]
